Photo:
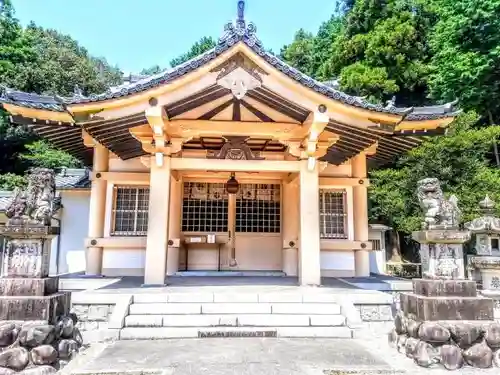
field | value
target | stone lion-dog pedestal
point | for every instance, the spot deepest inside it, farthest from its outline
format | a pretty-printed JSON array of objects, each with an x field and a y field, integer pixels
[{"x": 444, "y": 322}]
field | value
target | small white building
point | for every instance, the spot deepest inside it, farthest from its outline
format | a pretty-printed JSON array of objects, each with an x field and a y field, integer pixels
[
  {"x": 378, "y": 257},
  {"x": 68, "y": 250}
]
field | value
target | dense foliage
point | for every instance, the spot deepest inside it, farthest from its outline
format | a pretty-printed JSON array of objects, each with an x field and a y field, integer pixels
[
  {"x": 419, "y": 51},
  {"x": 42, "y": 61}
]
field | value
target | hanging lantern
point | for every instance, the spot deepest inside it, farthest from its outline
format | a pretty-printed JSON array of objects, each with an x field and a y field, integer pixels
[{"x": 232, "y": 185}]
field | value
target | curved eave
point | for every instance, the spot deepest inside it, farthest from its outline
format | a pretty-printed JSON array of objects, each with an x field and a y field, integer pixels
[
  {"x": 63, "y": 136},
  {"x": 420, "y": 123},
  {"x": 38, "y": 114}
]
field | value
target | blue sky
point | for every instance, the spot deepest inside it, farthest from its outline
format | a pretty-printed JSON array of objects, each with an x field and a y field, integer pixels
[{"x": 136, "y": 34}]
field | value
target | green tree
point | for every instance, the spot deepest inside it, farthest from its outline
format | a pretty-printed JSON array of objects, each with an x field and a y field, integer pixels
[
  {"x": 309, "y": 53},
  {"x": 383, "y": 50},
  {"x": 466, "y": 63},
  {"x": 466, "y": 43},
  {"x": 41, "y": 154},
  {"x": 9, "y": 181},
  {"x": 300, "y": 53},
  {"x": 62, "y": 63},
  {"x": 41, "y": 61},
  {"x": 459, "y": 160},
  {"x": 15, "y": 55},
  {"x": 201, "y": 46}
]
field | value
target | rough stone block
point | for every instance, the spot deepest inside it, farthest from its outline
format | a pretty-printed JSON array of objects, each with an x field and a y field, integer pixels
[
  {"x": 164, "y": 308},
  {"x": 445, "y": 288},
  {"x": 306, "y": 308},
  {"x": 28, "y": 286},
  {"x": 375, "y": 313},
  {"x": 269, "y": 320},
  {"x": 447, "y": 308},
  {"x": 330, "y": 332},
  {"x": 99, "y": 313},
  {"x": 328, "y": 320},
  {"x": 144, "y": 321},
  {"x": 27, "y": 257},
  {"x": 236, "y": 308},
  {"x": 157, "y": 333},
  {"x": 35, "y": 307},
  {"x": 198, "y": 320}
]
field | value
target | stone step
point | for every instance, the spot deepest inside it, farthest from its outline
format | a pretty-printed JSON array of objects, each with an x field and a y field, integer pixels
[
  {"x": 156, "y": 333},
  {"x": 243, "y": 320},
  {"x": 234, "y": 308},
  {"x": 228, "y": 297}
]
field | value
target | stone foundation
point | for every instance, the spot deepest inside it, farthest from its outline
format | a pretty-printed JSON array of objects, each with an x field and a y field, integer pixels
[
  {"x": 447, "y": 308},
  {"x": 36, "y": 347},
  {"x": 93, "y": 317},
  {"x": 29, "y": 286},
  {"x": 445, "y": 322},
  {"x": 451, "y": 344},
  {"x": 45, "y": 308}
]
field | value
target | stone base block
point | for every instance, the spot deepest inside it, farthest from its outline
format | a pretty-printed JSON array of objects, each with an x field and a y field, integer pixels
[
  {"x": 444, "y": 288},
  {"x": 446, "y": 308},
  {"x": 35, "y": 307},
  {"x": 29, "y": 286}
]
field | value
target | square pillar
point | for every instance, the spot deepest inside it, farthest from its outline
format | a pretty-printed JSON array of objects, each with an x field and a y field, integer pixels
[
  {"x": 291, "y": 227},
  {"x": 174, "y": 227},
  {"x": 360, "y": 209},
  {"x": 97, "y": 211},
  {"x": 158, "y": 221},
  {"x": 309, "y": 253}
]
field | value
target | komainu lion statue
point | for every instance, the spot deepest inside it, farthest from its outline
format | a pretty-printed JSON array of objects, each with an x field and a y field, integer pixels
[
  {"x": 439, "y": 212},
  {"x": 35, "y": 204}
]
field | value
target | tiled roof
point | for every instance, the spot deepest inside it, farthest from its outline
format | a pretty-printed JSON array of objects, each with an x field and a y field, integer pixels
[
  {"x": 233, "y": 33},
  {"x": 36, "y": 101},
  {"x": 73, "y": 179}
]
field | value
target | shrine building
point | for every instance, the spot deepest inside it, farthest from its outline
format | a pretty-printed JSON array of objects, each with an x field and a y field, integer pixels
[{"x": 232, "y": 161}]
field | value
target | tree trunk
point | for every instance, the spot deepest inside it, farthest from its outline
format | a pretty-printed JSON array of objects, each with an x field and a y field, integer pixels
[
  {"x": 495, "y": 145},
  {"x": 395, "y": 247}
]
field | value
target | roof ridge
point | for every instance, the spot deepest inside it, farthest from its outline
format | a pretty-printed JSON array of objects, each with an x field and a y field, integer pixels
[{"x": 241, "y": 31}]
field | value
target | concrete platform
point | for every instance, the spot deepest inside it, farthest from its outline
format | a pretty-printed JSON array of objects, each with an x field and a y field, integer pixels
[{"x": 215, "y": 356}]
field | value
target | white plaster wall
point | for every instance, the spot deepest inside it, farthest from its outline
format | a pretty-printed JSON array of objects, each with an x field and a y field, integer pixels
[
  {"x": 125, "y": 262},
  {"x": 337, "y": 261},
  {"x": 74, "y": 228}
]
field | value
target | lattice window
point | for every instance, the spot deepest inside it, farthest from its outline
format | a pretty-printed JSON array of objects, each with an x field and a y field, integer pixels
[
  {"x": 205, "y": 207},
  {"x": 130, "y": 211},
  {"x": 376, "y": 245},
  {"x": 258, "y": 209},
  {"x": 332, "y": 214}
]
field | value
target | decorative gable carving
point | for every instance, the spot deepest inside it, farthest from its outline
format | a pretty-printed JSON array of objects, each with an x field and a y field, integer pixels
[
  {"x": 235, "y": 149},
  {"x": 240, "y": 75}
]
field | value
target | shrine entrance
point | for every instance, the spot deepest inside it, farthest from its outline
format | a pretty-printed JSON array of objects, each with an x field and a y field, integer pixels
[{"x": 231, "y": 232}]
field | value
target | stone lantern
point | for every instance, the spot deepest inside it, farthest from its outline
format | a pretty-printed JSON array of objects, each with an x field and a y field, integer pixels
[{"x": 485, "y": 265}]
